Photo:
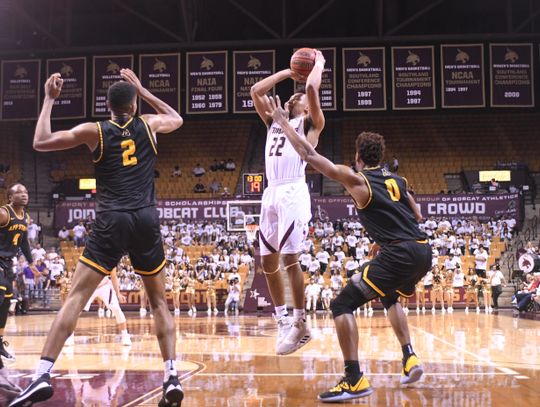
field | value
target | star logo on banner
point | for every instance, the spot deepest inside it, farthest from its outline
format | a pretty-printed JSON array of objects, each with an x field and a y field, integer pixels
[{"x": 253, "y": 294}]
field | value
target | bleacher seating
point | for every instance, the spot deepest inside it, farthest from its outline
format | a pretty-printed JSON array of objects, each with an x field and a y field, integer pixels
[
  {"x": 196, "y": 142},
  {"x": 428, "y": 146}
]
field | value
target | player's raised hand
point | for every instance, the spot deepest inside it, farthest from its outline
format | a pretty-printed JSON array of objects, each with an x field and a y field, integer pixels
[
  {"x": 53, "y": 86},
  {"x": 277, "y": 113},
  {"x": 129, "y": 76},
  {"x": 319, "y": 58}
]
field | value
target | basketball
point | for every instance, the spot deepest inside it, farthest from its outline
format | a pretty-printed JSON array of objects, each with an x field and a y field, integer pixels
[{"x": 302, "y": 61}]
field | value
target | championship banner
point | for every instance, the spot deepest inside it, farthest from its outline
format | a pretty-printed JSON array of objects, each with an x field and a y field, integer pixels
[
  {"x": 483, "y": 207},
  {"x": 462, "y": 73},
  {"x": 327, "y": 92},
  {"x": 250, "y": 67},
  {"x": 512, "y": 75},
  {"x": 364, "y": 79},
  {"x": 206, "y": 83},
  {"x": 20, "y": 89},
  {"x": 413, "y": 78},
  {"x": 106, "y": 72},
  {"x": 71, "y": 104},
  {"x": 160, "y": 74}
]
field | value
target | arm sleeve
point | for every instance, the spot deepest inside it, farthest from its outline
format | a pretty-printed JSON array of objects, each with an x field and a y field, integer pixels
[{"x": 25, "y": 248}]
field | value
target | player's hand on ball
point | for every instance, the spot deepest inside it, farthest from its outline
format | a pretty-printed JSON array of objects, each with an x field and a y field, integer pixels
[
  {"x": 319, "y": 58},
  {"x": 277, "y": 113},
  {"x": 53, "y": 86}
]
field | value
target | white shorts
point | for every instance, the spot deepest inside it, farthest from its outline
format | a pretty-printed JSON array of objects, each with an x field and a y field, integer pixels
[
  {"x": 285, "y": 213},
  {"x": 106, "y": 293}
]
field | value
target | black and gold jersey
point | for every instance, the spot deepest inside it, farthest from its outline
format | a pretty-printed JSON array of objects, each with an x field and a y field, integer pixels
[
  {"x": 387, "y": 216},
  {"x": 124, "y": 165},
  {"x": 13, "y": 233}
]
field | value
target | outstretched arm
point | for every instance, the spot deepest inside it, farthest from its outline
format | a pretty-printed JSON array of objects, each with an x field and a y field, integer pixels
[
  {"x": 312, "y": 91},
  {"x": 167, "y": 119},
  {"x": 414, "y": 207},
  {"x": 45, "y": 139},
  {"x": 303, "y": 147}
]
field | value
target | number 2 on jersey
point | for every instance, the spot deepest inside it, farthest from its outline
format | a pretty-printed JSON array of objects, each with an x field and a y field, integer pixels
[
  {"x": 393, "y": 189},
  {"x": 16, "y": 239},
  {"x": 127, "y": 155},
  {"x": 277, "y": 145}
]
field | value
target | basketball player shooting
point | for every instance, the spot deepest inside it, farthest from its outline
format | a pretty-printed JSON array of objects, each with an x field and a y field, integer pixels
[
  {"x": 389, "y": 215},
  {"x": 286, "y": 205}
]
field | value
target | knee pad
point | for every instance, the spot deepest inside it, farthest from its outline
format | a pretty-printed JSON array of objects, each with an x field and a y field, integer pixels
[
  {"x": 348, "y": 300},
  {"x": 389, "y": 300},
  {"x": 118, "y": 314}
]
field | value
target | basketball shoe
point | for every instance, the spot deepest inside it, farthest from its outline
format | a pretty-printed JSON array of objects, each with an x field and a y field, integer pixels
[
  {"x": 172, "y": 393},
  {"x": 297, "y": 337},
  {"x": 39, "y": 390},
  {"x": 6, "y": 356},
  {"x": 346, "y": 390},
  {"x": 284, "y": 324},
  {"x": 412, "y": 370}
]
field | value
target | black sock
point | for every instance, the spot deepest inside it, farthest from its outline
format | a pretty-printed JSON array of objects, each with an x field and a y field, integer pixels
[
  {"x": 352, "y": 369},
  {"x": 407, "y": 351}
]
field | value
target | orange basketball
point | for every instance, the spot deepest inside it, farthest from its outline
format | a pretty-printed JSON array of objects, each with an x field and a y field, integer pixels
[{"x": 302, "y": 61}]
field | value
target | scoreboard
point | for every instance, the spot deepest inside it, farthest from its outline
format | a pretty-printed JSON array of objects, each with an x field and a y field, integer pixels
[{"x": 253, "y": 183}]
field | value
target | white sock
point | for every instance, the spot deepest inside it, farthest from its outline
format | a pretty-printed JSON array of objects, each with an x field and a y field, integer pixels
[
  {"x": 124, "y": 332},
  {"x": 44, "y": 366},
  {"x": 170, "y": 369},
  {"x": 299, "y": 314},
  {"x": 281, "y": 311}
]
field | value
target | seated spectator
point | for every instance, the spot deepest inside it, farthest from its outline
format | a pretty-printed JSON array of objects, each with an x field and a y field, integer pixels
[
  {"x": 214, "y": 166},
  {"x": 199, "y": 188},
  {"x": 395, "y": 164},
  {"x": 4, "y": 167},
  {"x": 226, "y": 193},
  {"x": 198, "y": 171},
  {"x": 79, "y": 234},
  {"x": 221, "y": 165},
  {"x": 156, "y": 173},
  {"x": 63, "y": 235},
  {"x": 177, "y": 171},
  {"x": 38, "y": 253},
  {"x": 214, "y": 187},
  {"x": 230, "y": 165}
]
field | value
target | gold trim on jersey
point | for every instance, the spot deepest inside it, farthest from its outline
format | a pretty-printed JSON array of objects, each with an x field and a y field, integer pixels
[
  {"x": 155, "y": 271},
  {"x": 404, "y": 295},
  {"x": 15, "y": 213},
  {"x": 93, "y": 265},
  {"x": 125, "y": 124},
  {"x": 9, "y": 216},
  {"x": 367, "y": 280},
  {"x": 100, "y": 143},
  {"x": 406, "y": 184},
  {"x": 370, "y": 194},
  {"x": 150, "y": 135}
]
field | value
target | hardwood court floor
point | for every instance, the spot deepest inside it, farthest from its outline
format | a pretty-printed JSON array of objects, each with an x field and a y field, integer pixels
[{"x": 470, "y": 360}]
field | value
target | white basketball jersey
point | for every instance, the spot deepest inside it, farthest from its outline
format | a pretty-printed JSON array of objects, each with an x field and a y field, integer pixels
[{"x": 282, "y": 162}]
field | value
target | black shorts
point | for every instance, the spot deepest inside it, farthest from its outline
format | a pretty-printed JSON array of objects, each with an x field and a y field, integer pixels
[
  {"x": 397, "y": 268},
  {"x": 6, "y": 277},
  {"x": 117, "y": 233}
]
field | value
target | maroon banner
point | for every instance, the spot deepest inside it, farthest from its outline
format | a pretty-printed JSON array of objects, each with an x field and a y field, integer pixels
[
  {"x": 71, "y": 104},
  {"x": 20, "y": 89},
  {"x": 67, "y": 213},
  {"x": 250, "y": 67},
  {"x": 364, "y": 79},
  {"x": 512, "y": 77},
  {"x": 206, "y": 83},
  {"x": 106, "y": 72},
  {"x": 413, "y": 78},
  {"x": 327, "y": 92},
  {"x": 160, "y": 74},
  {"x": 462, "y": 73}
]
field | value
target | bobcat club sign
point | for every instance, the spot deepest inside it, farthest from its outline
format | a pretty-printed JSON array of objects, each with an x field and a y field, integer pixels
[{"x": 483, "y": 207}]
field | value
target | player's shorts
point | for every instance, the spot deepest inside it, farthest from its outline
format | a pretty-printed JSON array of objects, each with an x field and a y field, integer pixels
[
  {"x": 116, "y": 233},
  {"x": 285, "y": 213},
  {"x": 6, "y": 277},
  {"x": 106, "y": 294},
  {"x": 397, "y": 268}
]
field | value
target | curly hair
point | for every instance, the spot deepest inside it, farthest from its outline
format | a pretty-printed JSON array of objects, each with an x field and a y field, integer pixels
[{"x": 370, "y": 147}]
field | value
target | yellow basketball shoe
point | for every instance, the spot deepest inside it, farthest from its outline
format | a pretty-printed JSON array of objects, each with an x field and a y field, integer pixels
[
  {"x": 345, "y": 390},
  {"x": 412, "y": 370}
]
